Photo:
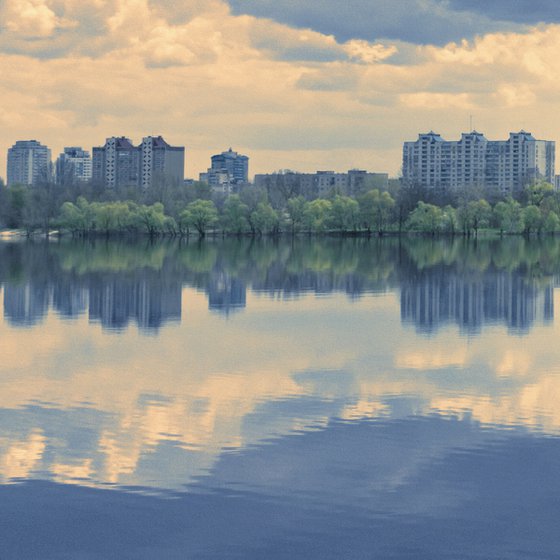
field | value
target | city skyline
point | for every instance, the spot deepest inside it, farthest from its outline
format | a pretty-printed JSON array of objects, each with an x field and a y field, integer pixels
[
  {"x": 217, "y": 161},
  {"x": 294, "y": 85}
]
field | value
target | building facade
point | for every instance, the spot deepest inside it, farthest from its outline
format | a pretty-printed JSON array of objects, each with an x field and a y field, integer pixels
[
  {"x": 121, "y": 164},
  {"x": 228, "y": 171},
  {"x": 160, "y": 162},
  {"x": 29, "y": 163},
  {"x": 320, "y": 184},
  {"x": 505, "y": 165},
  {"x": 73, "y": 165}
]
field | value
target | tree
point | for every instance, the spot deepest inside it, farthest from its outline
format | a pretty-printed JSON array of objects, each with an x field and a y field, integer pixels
[
  {"x": 473, "y": 215},
  {"x": 264, "y": 218},
  {"x": 200, "y": 214},
  {"x": 426, "y": 218},
  {"x": 252, "y": 196},
  {"x": 375, "y": 210},
  {"x": 235, "y": 215},
  {"x": 508, "y": 216},
  {"x": 537, "y": 192},
  {"x": 296, "y": 212},
  {"x": 17, "y": 200},
  {"x": 150, "y": 218},
  {"x": 551, "y": 223},
  {"x": 345, "y": 213},
  {"x": 79, "y": 217},
  {"x": 532, "y": 219},
  {"x": 449, "y": 223},
  {"x": 316, "y": 215},
  {"x": 479, "y": 214}
]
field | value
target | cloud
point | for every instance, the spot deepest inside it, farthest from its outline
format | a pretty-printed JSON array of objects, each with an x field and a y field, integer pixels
[
  {"x": 417, "y": 21},
  {"x": 32, "y": 18},
  {"x": 310, "y": 97}
]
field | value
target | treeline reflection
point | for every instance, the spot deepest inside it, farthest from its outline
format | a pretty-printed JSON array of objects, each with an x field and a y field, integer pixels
[{"x": 470, "y": 283}]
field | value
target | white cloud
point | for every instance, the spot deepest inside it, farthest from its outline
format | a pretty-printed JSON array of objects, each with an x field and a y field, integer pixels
[
  {"x": 32, "y": 18},
  {"x": 368, "y": 52},
  {"x": 207, "y": 77}
]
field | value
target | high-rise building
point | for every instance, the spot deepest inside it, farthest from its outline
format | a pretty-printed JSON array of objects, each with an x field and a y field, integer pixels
[
  {"x": 116, "y": 164},
  {"x": 119, "y": 163},
  {"x": 160, "y": 161},
  {"x": 73, "y": 165},
  {"x": 228, "y": 171},
  {"x": 29, "y": 162},
  {"x": 506, "y": 165}
]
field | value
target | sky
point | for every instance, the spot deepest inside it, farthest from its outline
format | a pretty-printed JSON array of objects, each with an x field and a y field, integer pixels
[{"x": 301, "y": 85}]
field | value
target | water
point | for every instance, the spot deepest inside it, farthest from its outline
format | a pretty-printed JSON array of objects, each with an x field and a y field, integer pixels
[{"x": 280, "y": 399}]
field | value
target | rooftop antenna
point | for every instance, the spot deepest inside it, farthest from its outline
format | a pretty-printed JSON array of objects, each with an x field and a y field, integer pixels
[{"x": 470, "y": 122}]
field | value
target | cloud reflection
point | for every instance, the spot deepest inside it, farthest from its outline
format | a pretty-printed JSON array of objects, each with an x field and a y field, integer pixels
[{"x": 85, "y": 405}]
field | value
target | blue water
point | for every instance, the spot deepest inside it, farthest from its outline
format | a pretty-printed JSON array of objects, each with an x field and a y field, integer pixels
[{"x": 279, "y": 399}]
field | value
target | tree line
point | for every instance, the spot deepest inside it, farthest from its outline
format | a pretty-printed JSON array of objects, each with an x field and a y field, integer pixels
[{"x": 195, "y": 209}]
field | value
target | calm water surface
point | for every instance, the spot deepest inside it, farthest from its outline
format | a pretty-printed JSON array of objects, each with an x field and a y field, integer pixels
[{"x": 314, "y": 399}]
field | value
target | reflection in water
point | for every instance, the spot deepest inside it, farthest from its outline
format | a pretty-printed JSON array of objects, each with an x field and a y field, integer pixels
[
  {"x": 470, "y": 284},
  {"x": 438, "y": 296},
  {"x": 329, "y": 407}
]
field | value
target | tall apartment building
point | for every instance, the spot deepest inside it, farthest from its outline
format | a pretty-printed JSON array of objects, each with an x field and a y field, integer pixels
[
  {"x": 506, "y": 165},
  {"x": 227, "y": 172},
  {"x": 29, "y": 162},
  {"x": 161, "y": 161},
  {"x": 119, "y": 163},
  {"x": 73, "y": 165}
]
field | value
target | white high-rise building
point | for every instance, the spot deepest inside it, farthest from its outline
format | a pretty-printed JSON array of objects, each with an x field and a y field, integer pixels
[
  {"x": 29, "y": 163},
  {"x": 74, "y": 164},
  {"x": 506, "y": 165}
]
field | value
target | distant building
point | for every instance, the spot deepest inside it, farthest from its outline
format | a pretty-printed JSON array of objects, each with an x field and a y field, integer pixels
[
  {"x": 73, "y": 165},
  {"x": 29, "y": 162},
  {"x": 119, "y": 163},
  {"x": 288, "y": 184},
  {"x": 116, "y": 164},
  {"x": 505, "y": 165},
  {"x": 228, "y": 171},
  {"x": 161, "y": 161}
]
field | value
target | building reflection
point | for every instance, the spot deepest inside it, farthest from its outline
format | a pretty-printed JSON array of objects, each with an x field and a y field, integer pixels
[
  {"x": 225, "y": 293},
  {"x": 149, "y": 302},
  {"x": 116, "y": 283},
  {"x": 113, "y": 302},
  {"x": 438, "y": 297},
  {"x": 26, "y": 304}
]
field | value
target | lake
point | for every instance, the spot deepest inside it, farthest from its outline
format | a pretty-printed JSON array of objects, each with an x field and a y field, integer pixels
[{"x": 280, "y": 399}]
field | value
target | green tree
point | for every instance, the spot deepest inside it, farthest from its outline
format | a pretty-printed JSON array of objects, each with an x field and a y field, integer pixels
[
  {"x": 345, "y": 213},
  {"x": 296, "y": 212},
  {"x": 316, "y": 215},
  {"x": 532, "y": 219},
  {"x": 235, "y": 215},
  {"x": 150, "y": 219},
  {"x": 375, "y": 210},
  {"x": 449, "y": 223},
  {"x": 79, "y": 217},
  {"x": 264, "y": 218},
  {"x": 473, "y": 215},
  {"x": 479, "y": 212},
  {"x": 426, "y": 218},
  {"x": 537, "y": 192},
  {"x": 17, "y": 201},
  {"x": 508, "y": 216},
  {"x": 200, "y": 214},
  {"x": 551, "y": 223}
]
